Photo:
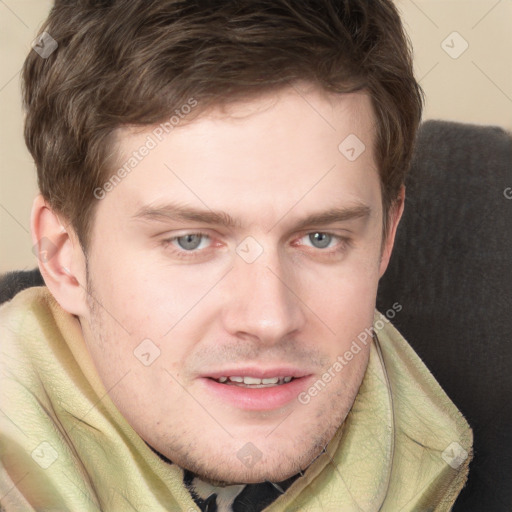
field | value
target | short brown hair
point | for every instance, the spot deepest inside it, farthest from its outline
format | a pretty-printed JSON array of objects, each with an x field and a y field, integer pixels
[{"x": 134, "y": 62}]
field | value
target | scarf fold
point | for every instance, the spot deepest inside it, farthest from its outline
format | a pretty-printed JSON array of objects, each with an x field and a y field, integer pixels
[{"x": 65, "y": 446}]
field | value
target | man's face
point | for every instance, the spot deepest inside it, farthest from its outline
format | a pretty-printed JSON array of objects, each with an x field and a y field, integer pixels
[{"x": 262, "y": 298}]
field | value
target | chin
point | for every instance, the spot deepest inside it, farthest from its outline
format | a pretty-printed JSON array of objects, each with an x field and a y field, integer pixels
[
  {"x": 277, "y": 467},
  {"x": 247, "y": 476}
]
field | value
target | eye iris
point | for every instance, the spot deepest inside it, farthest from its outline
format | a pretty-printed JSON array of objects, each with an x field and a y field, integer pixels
[
  {"x": 192, "y": 241},
  {"x": 322, "y": 238}
]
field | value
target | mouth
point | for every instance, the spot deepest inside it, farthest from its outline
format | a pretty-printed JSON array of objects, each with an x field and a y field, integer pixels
[
  {"x": 256, "y": 390},
  {"x": 254, "y": 382}
]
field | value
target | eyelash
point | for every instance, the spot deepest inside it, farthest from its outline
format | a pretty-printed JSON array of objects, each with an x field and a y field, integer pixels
[{"x": 344, "y": 242}]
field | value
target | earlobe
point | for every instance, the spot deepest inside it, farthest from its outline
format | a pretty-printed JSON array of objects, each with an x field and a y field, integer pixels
[
  {"x": 395, "y": 214},
  {"x": 60, "y": 257}
]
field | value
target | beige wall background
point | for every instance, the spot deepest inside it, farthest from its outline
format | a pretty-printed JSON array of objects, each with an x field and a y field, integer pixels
[{"x": 463, "y": 60}]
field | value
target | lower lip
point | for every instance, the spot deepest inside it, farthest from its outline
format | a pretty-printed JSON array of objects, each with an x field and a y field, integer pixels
[{"x": 257, "y": 399}]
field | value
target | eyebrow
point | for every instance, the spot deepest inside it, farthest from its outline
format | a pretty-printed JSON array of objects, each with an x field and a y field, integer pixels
[{"x": 179, "y": 213}]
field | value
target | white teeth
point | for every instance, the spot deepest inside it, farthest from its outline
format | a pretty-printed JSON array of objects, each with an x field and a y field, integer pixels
[{"x": 251, "y": 380}]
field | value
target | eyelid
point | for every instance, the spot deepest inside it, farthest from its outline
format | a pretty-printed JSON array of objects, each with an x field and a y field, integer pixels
[
  {"x": 328, "y": 233},
  {"x": 183, "y": 252},
  {"x": 342, "y": 240}
]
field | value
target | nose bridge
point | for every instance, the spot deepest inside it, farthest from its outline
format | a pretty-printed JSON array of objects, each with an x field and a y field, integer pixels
[{"x": 262, "y": 299}]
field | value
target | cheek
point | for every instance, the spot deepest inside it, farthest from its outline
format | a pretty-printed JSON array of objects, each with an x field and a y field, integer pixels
[
  {"x": 345, "y": 303},
  {"x": 132, "y": 290},
  {"x": 348, "y": 310}
]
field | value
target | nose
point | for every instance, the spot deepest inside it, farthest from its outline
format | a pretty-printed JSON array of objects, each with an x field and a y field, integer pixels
[{"x": 263, "y": 300}]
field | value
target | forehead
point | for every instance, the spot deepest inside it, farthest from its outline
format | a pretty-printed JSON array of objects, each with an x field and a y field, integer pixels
[{"x": 265, "y": 156}]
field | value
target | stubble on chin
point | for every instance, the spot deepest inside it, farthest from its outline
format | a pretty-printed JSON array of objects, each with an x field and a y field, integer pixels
[{"x": 283, "y": 463}]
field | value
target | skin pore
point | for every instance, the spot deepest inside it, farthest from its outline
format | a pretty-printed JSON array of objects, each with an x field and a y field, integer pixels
[{"x": 268, "y": 163}]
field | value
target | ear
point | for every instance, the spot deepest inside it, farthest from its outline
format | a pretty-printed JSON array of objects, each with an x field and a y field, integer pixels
[
  {"x": 60, "y": 256},
  {"x": 394, "y": 216}
]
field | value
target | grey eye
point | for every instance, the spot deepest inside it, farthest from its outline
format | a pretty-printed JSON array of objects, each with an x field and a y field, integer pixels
[
  {"x": 320, "y": 240},
  {"x": 191, "y": 241}
]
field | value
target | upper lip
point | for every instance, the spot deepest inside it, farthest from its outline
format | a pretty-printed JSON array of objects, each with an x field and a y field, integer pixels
[{"x": 258, "y": 373}]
